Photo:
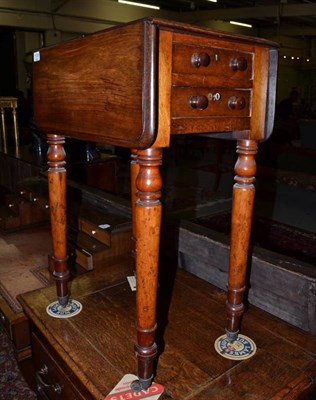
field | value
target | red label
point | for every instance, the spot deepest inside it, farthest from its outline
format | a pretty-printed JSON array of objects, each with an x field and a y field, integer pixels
[{"x": 154, "y": 390}]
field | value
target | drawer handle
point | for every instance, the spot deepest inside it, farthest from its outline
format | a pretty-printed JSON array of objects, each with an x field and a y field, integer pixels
[
  {"x": 238, "y": 64},
  {"x": 198, "y": 102},
  {"x": 236, "y": 103},
  {"x": 200, "y": 60},
  {"x": 43, "y": 370},
  {"x": 41, "y": 384},
  {"x": 2, "y": 317}
]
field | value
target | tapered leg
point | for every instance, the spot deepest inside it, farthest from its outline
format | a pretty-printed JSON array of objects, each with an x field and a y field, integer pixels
[
  {"x": 57, "y": 198},
  {"x": 147, "y": 216},
  {"x": 242, "y": 209}
]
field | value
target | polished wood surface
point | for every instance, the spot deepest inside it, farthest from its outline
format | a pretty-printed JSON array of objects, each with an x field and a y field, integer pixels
[
  {"x": 134, "y": 86},
  {"x": 94, "y": 349},
  {"x": 93, "y": 82}
]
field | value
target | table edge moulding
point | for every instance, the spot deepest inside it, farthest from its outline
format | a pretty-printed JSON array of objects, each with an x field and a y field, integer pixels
[{"x": 134, "y": 85}]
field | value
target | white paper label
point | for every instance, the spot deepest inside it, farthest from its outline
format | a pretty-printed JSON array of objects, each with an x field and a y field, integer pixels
[
  {"x": 132, "y": 282},
  {"x": 104, "y": 226},
  {"x": 36, "y": 56}
]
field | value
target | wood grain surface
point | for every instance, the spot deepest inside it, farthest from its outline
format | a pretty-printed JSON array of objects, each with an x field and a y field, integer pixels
[{"x": 95, "y": 348}]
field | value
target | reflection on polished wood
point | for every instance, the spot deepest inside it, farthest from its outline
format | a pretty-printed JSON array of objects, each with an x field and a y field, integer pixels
[
  {"x": 12, "y": 103},
  {"x": 143, "y": 82}
]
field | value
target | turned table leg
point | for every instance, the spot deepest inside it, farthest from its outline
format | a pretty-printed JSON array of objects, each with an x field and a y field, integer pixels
[
  {"x": 147, "y": 217},
  {"x": 242, "y": 209},
  {"x": 57, "y": 198}
]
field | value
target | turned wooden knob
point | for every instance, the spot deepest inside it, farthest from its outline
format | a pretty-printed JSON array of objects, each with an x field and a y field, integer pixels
[
  {"x": 236, "y": 103},
  {"x": 238, "y": 64},
  {"x": 200, "y": 60},
  {"x": 198, "y": 102}
]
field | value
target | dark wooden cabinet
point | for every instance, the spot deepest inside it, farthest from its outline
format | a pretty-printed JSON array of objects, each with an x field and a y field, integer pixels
[{"x": 51, "y": 381}]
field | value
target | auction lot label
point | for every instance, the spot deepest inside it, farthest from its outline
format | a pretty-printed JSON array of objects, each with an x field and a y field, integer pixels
[{"x": 123, "y": 391}]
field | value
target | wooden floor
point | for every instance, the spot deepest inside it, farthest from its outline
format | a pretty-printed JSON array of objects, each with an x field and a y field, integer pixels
[{"x": 97, "y": 344}]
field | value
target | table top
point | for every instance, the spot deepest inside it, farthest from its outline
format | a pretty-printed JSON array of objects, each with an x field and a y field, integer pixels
[{"x": 136, "y": 84}]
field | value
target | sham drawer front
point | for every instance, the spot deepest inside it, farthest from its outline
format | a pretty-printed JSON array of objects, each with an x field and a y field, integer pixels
[
  {"x": 210, "y": 102},
  {"x": 51, "y": 381},
  {"x": 232, "y": 67}
]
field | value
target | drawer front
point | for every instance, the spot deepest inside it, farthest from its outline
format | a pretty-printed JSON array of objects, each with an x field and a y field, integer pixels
[
  {"x": 81, "y": 256},
  {"x": 51, "y": 381},
  {"x": 210, "y": 102},
  {"x": 41, "y": 202},
  {"x": 229, "y": 65},
  {"x": 99, "y": 233}
]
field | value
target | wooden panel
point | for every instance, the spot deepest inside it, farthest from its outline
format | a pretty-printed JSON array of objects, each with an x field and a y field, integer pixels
[
  {"x": 81, "y": 87},
  {"x": 294, "y": 301},
  {"x": 259, "y": 120},
  {"x": 210, "y": 125}
]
